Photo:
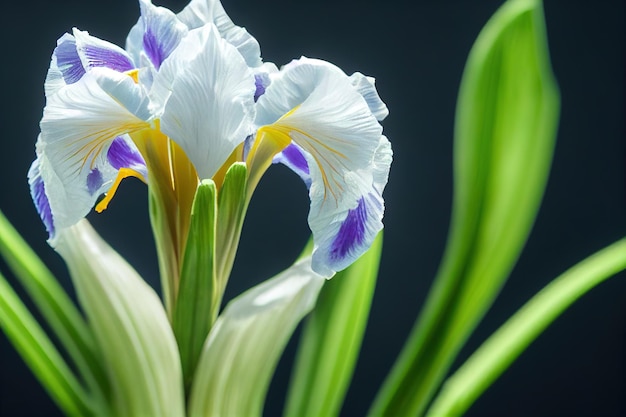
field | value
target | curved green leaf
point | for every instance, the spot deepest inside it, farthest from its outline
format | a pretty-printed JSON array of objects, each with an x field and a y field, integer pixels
[
  {"x": 331, "y": 339},
  {"x": 40, "y": 354},
  {"x": 497, "y": 353},
  {"x": 506, "y": 119},
  {"x": 55, "y": 305}
]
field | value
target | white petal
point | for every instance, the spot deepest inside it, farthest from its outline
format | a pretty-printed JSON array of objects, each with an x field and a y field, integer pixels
[
  {"x": 367, "y": 88},
  {"x": 243, "y": 348},
  {"x": 95, "y": 53},
  {"x": 66, "y": 66},
  {"x": 162, "y": 32},
  {"x": 77, "y": 127},
  {"x": 130, "y": 325},
  {"x": 208, "y": 95},
  {"x": 325, "y": 115},
  {"x": 200, "y": 12}
]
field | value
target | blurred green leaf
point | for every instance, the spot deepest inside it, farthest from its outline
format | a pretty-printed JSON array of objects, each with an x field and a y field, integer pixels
[
  {"x": 498, "y": 352},
  {"x": 130, "y": 326},
  {"x": 55, "y": 305},
  {"x": 506, "y": 119},
  {"x": 197, "y": 304},
  {"x": 331, "y": 339},
  {"x": 244, "y": 346},
  {"x": 40, "y": 355}
]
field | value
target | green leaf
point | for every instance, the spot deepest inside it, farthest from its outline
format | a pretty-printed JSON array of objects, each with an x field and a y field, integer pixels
[
  {"x": 198, "y": 299},
  {"x": 55, "y": 305},
  {"x": 130, "y": 326},
  {"x": 507, "y": 113},
  {"x": 40, "y": 354},
  {"x": 331, "y": 339},
  {"x": 497, "y": 353},
  {"x": 244, "y": 346}
]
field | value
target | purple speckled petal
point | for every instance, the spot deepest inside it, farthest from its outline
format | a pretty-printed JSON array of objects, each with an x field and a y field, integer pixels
[
  {"x": 162, "y": 32},
  {"x": 123, "y": 154},
  {"x": 68, "y": 61},
  {"x": 94, "y": 181},
  {"x": 351, "y": 233},
  {"x": 38, "y": 194},
  {"x": 98, "y": 53}
]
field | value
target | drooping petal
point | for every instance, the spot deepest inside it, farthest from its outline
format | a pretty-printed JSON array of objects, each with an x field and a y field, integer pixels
[
  {"x": 367, "y": 88},
  {"x": 39, "y": 196},
  {"x": 65, "y": 65},
  {"x": 200, "y": 12},
  {"x": 130, "y": 325},
  {"x": 79, "y": 124},
  {"x": 243, "y": 348},
  {"x": 96, "y": 53},
  {"x": 318, "y": 107},
  {"x": 207, "y": 93}
]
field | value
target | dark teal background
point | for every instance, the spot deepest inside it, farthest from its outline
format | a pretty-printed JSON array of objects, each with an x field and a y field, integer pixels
[{"x": 416, "y": 50}]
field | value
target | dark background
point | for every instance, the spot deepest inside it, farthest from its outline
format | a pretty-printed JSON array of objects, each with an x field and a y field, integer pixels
[{"x": 416, "y": 50}]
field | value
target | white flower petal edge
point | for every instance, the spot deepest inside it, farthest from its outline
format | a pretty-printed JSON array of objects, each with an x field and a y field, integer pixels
[
  {"x": 200, "y": 12},
  {"x": 155, "y": 35},
  {"x": 206, "y": 91},
  {"x": 80, "y": 122},
  {"x": 130, "y": 324},
  {"x": 317, "y": 105},
  {"x": 243, "y": 348}
]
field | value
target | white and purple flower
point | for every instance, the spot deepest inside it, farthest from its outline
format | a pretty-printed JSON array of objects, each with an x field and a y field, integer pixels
[{"x": 197, "y": 81}]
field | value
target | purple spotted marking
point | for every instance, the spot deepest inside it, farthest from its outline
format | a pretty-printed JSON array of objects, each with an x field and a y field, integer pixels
[
  {"x": 38, "y": 193},
  {"x": 351, "y": 233},
  {"x": 68, "y": 61},
  {"x": 94, "y": 181},
  {"x": 296, "y": 159},
  {"x": 121, "y": 155},
  {"x": 98, "y": 56}
]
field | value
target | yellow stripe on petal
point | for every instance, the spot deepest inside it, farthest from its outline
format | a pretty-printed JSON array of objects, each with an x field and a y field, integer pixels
[{"x": 123, "y": 173}]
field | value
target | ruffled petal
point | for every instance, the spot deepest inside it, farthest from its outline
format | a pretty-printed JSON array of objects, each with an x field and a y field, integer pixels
[
  {"x": 162, "y": 32},
  {"x": 96, "y": 53},
  {"x": 65, "y": 65},
  {"x": 318, "y": 107},
  {"x": 206, "y": 91},
  {"x": 200, "y": 12},
  {"x": 79, "y": 124},
  {"x": 367, "y": 88}
]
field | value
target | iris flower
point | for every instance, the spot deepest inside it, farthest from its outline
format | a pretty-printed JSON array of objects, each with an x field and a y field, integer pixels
[{"x": 188, "y": 97}]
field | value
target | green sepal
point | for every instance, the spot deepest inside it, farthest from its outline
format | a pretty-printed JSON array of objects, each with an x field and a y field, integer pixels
[
  {"x": 232, "y": 206},
  {"x": 506, "y": 119},
  {"x": 198, "y": 299},
  {"x": 130, "y": 325},
  {"x": 331, "y": 339},
  {"x": 246, "y": 342}
]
